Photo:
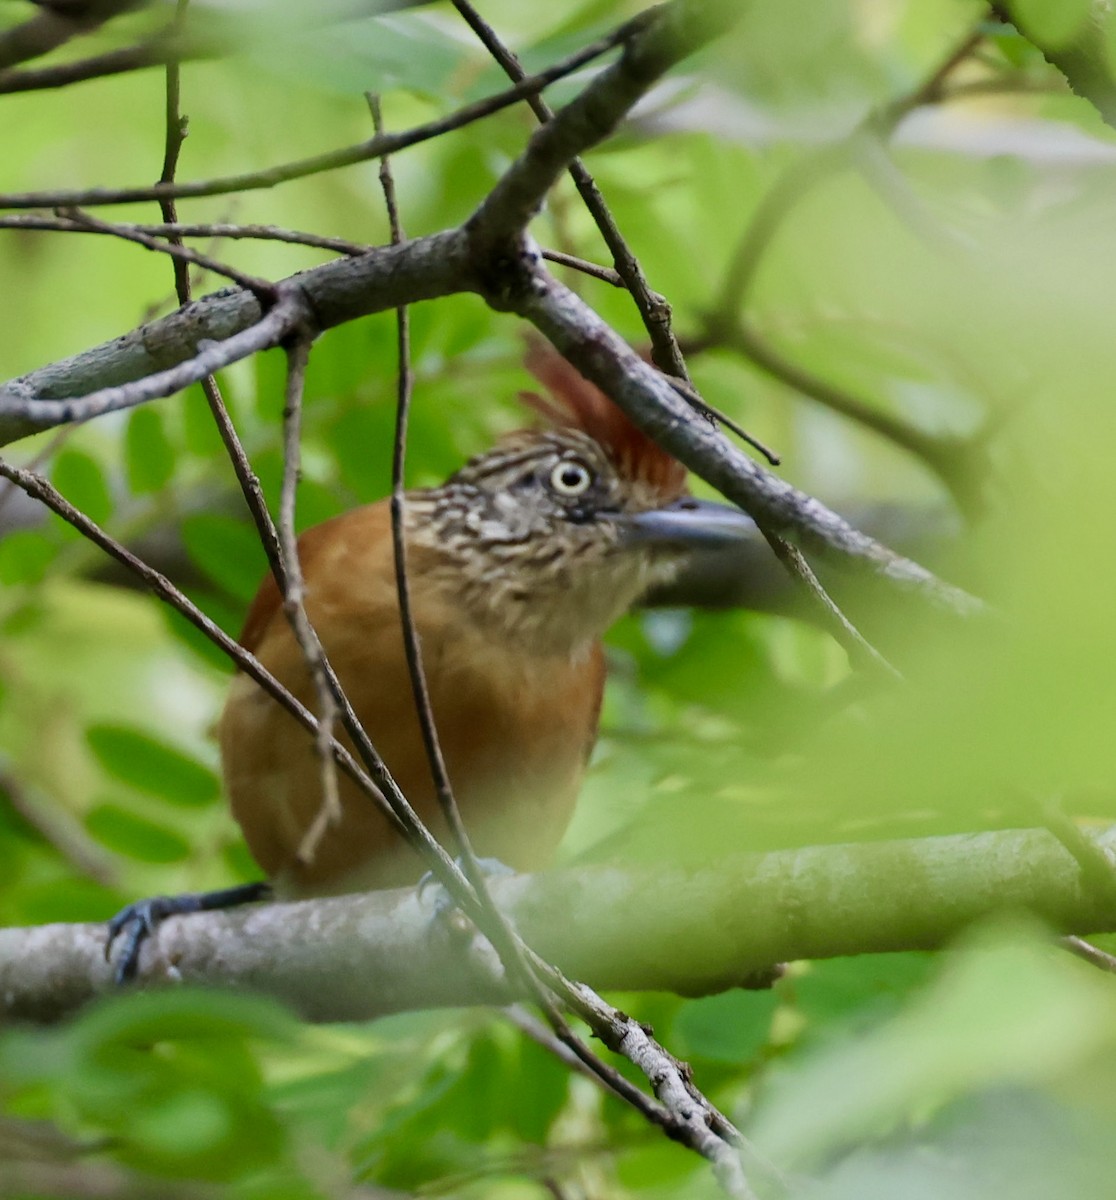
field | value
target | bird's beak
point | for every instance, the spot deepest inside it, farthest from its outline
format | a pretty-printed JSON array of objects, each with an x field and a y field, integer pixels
[{"x": 688, "y": 524}]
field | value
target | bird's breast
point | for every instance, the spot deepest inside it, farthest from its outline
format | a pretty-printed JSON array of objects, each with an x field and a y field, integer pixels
[{"x": 515, "y": 729}]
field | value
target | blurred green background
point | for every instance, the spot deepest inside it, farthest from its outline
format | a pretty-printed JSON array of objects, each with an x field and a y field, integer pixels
[{"x": 954, "y": 281}]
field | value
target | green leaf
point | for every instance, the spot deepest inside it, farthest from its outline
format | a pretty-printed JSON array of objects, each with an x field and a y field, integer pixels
[
  {"x": 1051, "y": 22},
  {"x": 172, "y": 1078},
  {"x": 198, "y": 427},
  {"x": 189, "y": 1123},
  {"x": 148, "y": 454},
  {"x": 657, "y": 1169},
  {"x": 65, "y": 898},
  {"x": 228, "y": 550},
  {"x": 732, "y": 1027},
  {"x": 361, "y": 440},
  {"x": 141, "y": 761},
  {"x": 1003, "y": 1012},
  {"x": 378, "y": 54},
  {"x": 270, "y": 373},
  {"x": 25, "y": 556},
  {"x": 79, "y": 477},
  {"x": 857, "y": 992},
  {"x": 134, "y": 836},
  {"x": 184, "y": 1014}
]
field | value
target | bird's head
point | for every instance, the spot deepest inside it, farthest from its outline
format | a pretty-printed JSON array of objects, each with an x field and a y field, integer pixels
[{"x": 556, "y": 531}]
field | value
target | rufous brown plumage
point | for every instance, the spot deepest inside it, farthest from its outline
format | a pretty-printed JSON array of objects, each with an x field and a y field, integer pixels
[{"x": 517, "y": 566}]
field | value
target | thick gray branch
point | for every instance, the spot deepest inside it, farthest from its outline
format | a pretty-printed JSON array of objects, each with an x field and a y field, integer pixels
[
  {"x": 656, "y": 407},
  {"x": 692, "y": 931},
  {"x": 393, "y": 276},
  {"x": 485, "y": 255},
  {"x": 335, "y": 292},
  {"x": 675, "y": 31}
]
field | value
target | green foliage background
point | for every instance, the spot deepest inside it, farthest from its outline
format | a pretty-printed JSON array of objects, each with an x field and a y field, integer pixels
[{"x": 959, "y": 281}]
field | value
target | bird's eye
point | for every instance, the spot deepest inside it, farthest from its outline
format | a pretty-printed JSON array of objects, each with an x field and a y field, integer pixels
[{"x": 571, "y": 478}]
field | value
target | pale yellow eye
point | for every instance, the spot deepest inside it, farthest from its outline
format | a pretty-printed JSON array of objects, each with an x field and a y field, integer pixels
[{"x": 571, "y": 477}]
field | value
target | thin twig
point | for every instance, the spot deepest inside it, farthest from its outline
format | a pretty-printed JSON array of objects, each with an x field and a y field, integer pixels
[
  {"x": 59, "y": 827},
  {"x": 951, "y": 458},
  {"x": 333, "y": 159},
  {"x": 860, "y": 651},
  {"x": 1090, "y": 953},
  {"x": 411, "y": 647},
  {"x": 495, "y": 925},
  {"x": 1098, "y": 870},
  {"x": 264, "y": 290},
  {"x": 795, "y": 184},
  {"x": 605, "y": 274},
  {"x": 700, "y": 404},
  {"x": 53, "y": 445},
  {"x": 248, "y": 479},
  {"x": 653, "y": 308},
  {"x": 173, "y": 43},
  {"x": 182, "y": 229},
  {"x": 294, "y": 594},
  {"x": 288, "y": 312},
  {"x": 165, "y": 47},
  {"x": 176, "y": 126},
  {"x": 692, "y": 1120},
  {"x": 42, "y": 490},
  {"x": 939, "y": 453},
  {"x": 686, "y": 1121},
  {"x": 280, "y": 546},
  {"x": 528, "y": 1024},
  {"x": 173, "y": 137},
  {"x": 52, "y": 27}
]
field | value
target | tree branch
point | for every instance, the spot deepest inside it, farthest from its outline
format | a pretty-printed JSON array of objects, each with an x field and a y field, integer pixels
[
  {"x": 50, "y": 28},
  {"x": 726, "y": 323},
  {"x": 361, "y": 956},
  {"x": 212, "y": 36},
  {"x": 693, "y": 1120},
  {"x": 331, "y": 160},
  {"x": 22, "y": 415},
  {"x": 653, "y": 308},
  {"x": 655, "y": 406},
  {"x": 336, "y": 292},
  {"x": 292, "y": 585},
  {"x": 219, "y": 229},
  {"x": 486, "y": 255},
  {"x": 668, "y": 35}
]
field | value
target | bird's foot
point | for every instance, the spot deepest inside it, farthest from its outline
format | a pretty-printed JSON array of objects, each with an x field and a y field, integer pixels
[
  {"x": 443, "y": 903},
  {"x": 134, "y": 924}
]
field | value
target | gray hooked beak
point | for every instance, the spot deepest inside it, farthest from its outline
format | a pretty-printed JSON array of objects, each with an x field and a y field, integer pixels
[{"x": 688, "y": 524}]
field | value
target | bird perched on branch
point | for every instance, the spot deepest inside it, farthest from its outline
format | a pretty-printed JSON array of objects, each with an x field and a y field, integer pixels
[{"x": 517, "y": 565}]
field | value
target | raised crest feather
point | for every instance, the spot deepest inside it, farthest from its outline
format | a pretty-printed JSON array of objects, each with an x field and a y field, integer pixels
[{"x": 573, "y": 402}]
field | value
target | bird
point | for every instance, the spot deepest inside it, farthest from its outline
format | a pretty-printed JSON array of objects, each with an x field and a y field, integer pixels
[{"x": 517, "y": 565}]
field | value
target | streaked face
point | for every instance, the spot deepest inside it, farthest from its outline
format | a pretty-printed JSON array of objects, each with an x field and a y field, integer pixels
[{"x": 541, "y": 538}]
